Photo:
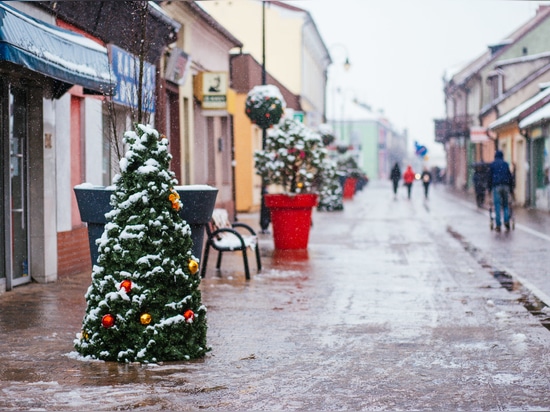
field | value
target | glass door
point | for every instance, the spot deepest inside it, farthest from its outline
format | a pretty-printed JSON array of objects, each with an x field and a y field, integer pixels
[{"x": 17, "y": 218}]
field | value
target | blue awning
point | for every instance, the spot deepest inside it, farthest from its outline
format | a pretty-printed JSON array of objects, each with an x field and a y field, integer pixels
[{"x": 63, "y": 55}]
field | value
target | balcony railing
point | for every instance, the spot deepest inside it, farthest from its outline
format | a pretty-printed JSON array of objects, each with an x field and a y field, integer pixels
[{"x": 452, "y": 127}]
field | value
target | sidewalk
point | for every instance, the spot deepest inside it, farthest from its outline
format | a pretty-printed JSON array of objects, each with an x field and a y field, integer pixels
[{"x": 384, "y": 311}]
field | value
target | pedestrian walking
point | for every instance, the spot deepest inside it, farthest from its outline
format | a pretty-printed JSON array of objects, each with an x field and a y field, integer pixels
[
  {"x": 395, "y": 176},
  {"x": 501, "y": 183},
  {"x": 426, "y": 180},
  {"x": 408, "y": 178},
  {"x": 480, "y": 184}
]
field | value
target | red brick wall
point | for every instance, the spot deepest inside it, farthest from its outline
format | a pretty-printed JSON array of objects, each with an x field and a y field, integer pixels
[{"x": 73, "y": 252}]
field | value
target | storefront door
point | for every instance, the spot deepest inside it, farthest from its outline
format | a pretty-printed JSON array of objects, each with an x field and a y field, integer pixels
[{"x": 15, "y": 219}]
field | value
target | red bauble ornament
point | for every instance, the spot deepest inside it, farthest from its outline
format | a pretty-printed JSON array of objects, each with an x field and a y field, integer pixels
[
  {"x": 126, "y": 285},
  {"x": 107, "y": 320},
  {"x": 188, "y": 314}
]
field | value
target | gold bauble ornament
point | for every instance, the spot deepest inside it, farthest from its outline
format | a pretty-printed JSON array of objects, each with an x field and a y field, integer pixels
[
  {"x": 145, "y": 319},
  {"x": 193, "y": 267}
]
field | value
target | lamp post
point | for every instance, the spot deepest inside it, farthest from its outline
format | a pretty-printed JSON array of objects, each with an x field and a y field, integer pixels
[
  {"x": 265, "y": 217},
  {"x": 336, "y": 88}
]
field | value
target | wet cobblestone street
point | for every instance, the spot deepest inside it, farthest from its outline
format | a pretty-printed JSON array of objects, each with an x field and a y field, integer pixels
[{"x": 386, "y": 310}]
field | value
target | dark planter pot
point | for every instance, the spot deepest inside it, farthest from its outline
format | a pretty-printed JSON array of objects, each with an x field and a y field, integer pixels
[
  {"x": 198, "y": 203},
  {"x": 291, "y": 219}
]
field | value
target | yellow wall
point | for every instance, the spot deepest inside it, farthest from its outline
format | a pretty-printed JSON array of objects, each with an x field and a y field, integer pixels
[
  {"x": 512, "y": 145},
  {"x": 247, "y": 139},
  {"x": 283, "y": 30}
]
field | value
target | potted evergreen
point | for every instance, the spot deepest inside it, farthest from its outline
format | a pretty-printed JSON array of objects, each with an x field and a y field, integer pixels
[
  {"x": 350, "y": 173},
  {"x": 144, "y": 303},
  {"x": 198, "y": 202},
  {"x": 329, "y": 188},
  {"x": 328, "y": 180},
  {"x": 290, "y": 164}
]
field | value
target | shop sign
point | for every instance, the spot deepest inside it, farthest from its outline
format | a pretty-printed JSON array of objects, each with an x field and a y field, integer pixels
[
  {"x": 126, "y": 72},
  {"x": 298, "y": 116},
  {"x": 478, "y": 134},
  {"x": 211, "y": 89}
]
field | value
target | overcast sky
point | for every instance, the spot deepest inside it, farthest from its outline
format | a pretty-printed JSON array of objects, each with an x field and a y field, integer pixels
[{"x": 400, "y": 49}]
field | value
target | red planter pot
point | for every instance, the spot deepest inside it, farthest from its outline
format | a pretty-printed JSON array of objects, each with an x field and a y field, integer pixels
[
  {"x": 290, "y": 219},
  {"x": 349, "y": 187}
]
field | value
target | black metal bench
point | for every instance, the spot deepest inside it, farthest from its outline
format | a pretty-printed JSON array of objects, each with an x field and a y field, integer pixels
[{"x": 223, "y": 236}]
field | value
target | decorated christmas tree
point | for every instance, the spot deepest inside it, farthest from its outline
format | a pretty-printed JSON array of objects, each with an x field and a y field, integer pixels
[{"x": 144, "y": 303}]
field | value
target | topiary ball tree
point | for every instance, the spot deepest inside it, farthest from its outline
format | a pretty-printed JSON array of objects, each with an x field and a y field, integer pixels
[
  {"x": 144, "y": 303},
  {"x": 265, "y": 105}
]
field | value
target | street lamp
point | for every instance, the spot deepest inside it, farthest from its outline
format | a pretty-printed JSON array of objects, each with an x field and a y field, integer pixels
[
  {"x": 335, "y": 87},
  {"x": 347, "y": 63},
  {"x": 265, "y": 217}
]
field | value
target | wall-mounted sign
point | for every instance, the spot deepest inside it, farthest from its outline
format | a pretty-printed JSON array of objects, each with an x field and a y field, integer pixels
[
  {"x": 298, "y": 116},
  {"x": 126, "y": 72},
  {"x": 478, "y": 134},
  {"x": 177, "y": 67},
  {"x": 211, "y": 89}
]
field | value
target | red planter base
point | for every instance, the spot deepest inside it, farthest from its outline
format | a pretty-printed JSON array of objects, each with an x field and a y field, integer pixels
[
  {"x": 291, "y": 219},
  {"x": 349, "y": 187}
]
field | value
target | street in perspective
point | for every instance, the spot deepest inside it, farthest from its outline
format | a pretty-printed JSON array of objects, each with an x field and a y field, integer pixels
[{"x": 396, "y": 304}]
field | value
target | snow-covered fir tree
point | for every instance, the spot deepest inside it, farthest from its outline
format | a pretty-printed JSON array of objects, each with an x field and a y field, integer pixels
[
  {"x": 329, "y": 188},
  {"x": 144, "y": 303}
]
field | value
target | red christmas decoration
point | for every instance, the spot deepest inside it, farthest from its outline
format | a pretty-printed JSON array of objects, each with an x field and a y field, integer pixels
[
  {"x": 126, "y": 285},
  {"x": 107, "y": 320},
  {"x": 188, "y": 314}
]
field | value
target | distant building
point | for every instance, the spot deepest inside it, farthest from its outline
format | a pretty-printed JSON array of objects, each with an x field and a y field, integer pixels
[
  {"x": 481, "y": 101},
  {"x": 371, "y": 138},
  {"x": 295, "y": 52}
]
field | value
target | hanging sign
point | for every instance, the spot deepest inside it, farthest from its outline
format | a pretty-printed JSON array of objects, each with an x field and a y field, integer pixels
[
  {"x": 177, "y": 67},
  {"x": 478, "y": 134},
  {"x": 211, "y": 89}
]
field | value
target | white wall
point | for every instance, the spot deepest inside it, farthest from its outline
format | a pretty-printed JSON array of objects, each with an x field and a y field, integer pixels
[
  {"x": 93, "y": 135},
  {"x": 62, "y": 146},
  {"x": 50, "y": 200}
]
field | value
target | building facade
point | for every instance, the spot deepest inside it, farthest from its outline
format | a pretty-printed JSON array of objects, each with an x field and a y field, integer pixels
[
  {"x": 288, "y": 31},
  {"x": 206, "y": 120},
  {"x": 506, "y": 75},
  {"x": 246, "y": 72},
  {"x": 371, "y": 138},
  {"x": 55, "y": 121},
  {"x": 38, "y": 94}
]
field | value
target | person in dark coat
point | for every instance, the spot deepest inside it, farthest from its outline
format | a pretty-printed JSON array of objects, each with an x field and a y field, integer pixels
[
  {"x": 501, "y": 183},
  {"x": 480, "y": 184},
  {"x": 395, "y": 176},
  {"x": 426, "y": 178}
]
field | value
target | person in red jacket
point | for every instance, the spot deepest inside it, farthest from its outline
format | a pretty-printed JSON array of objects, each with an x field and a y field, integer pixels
[{"x": 408, "y": 178}]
